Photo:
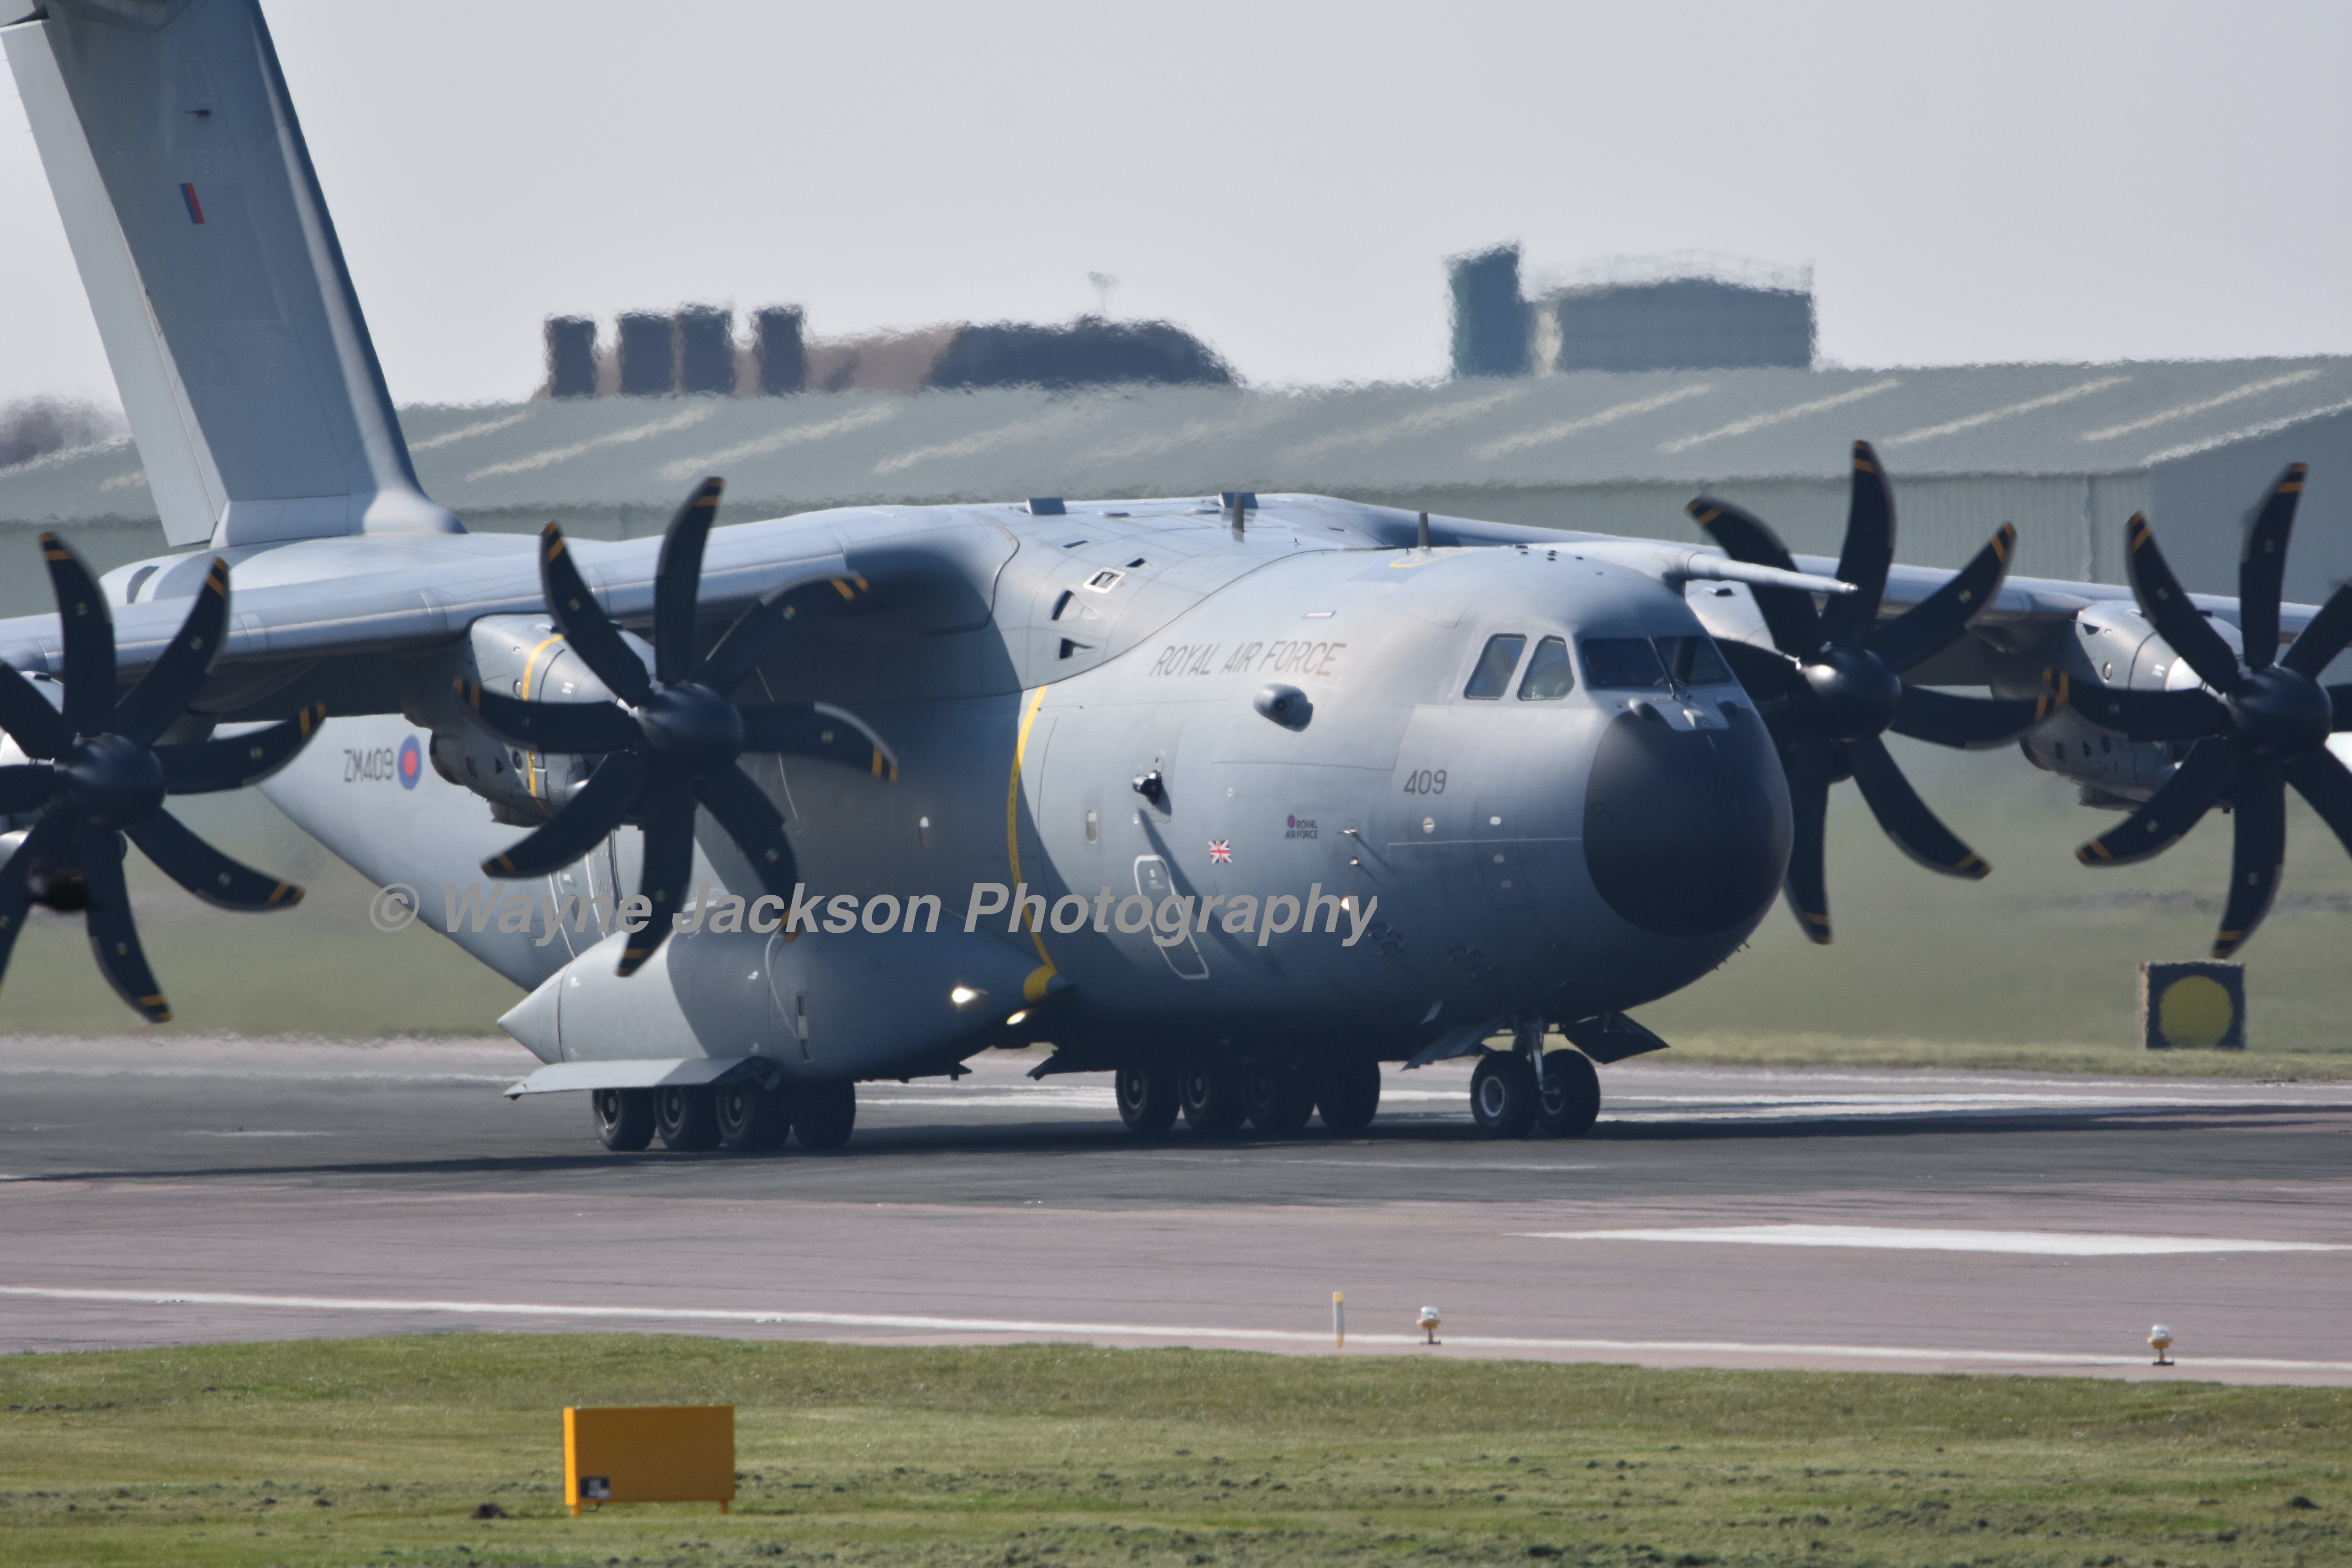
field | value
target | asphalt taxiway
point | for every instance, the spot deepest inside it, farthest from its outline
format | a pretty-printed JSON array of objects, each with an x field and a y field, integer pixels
[{"x": 156, "y": 1193}]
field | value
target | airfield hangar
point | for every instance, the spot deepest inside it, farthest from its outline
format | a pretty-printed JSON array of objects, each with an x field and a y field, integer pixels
[{"x": 2067, "y": 452}]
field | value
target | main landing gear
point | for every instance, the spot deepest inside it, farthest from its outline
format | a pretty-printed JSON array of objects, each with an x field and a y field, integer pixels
[
  {"x": 1217, "y": 1095},
  {"x": 744, "y": 1117}
]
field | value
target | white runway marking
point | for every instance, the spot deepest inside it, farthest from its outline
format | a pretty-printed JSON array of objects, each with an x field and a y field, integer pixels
[
  {"x": 2035, "y": 1243},
  {"x": 1025, "y": 1327}
]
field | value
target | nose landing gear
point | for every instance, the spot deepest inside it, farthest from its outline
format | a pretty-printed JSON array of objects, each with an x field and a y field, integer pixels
[{"x": 1528, "y": 1090}]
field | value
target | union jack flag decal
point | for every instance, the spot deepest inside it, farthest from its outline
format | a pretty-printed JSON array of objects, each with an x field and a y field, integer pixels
[{"x": 1221, "y": 852}]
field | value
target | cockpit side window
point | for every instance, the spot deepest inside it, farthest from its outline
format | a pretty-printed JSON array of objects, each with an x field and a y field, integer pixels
[
  {"x": 1623, "y": 663},
  {"x": 1493, "y": 676},
  {"x": 1695, "y": 661},
  {"x": 1550, "y": 676}
]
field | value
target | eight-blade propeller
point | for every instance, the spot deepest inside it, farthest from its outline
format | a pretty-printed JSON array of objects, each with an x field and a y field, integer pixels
[
  {"x": 671, "y": 739},
  {"x": 1836, "y": 684},
  {"x": 2267, "y": 729},
  {"x": 98, "y": 774}
]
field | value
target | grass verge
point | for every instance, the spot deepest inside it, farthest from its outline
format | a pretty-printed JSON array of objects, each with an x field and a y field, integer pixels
[
  {"x": 384, "y": 1451},
  {"x": 2313, "y": 1063}
]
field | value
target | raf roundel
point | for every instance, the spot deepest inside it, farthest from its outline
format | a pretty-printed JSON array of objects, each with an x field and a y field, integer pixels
[{"x": 411, "y": 762}]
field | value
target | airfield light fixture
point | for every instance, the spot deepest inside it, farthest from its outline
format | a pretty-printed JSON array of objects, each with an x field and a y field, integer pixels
[
  {"x": 1428, "y": 1324},
  {"x": 2159, "y": 1339}
]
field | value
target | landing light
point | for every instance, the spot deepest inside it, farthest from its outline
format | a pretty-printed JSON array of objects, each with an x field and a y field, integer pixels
[
  {"x": 963, "y": 998},
  {"x": 1016, "y": 1017}
]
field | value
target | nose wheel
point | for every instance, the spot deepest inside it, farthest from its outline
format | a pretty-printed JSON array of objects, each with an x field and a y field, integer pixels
[
  {"x": 1502, "y": 1096},
  {"x": 1508, "y": 1101},
  {"x": 1569, "y": 1100}
]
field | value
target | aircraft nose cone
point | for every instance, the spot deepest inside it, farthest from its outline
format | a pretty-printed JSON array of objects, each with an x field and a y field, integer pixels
[{"x": 1686, "y": 832}]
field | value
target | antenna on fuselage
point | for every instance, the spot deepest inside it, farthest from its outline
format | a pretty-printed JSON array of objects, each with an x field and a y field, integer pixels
[
  {"x": 1237, "y": 499},
  {"x": 1423, "y": 545}
]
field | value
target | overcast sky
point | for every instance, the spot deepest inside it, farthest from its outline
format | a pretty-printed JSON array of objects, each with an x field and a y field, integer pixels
[{"x": 1978, "y": 181}]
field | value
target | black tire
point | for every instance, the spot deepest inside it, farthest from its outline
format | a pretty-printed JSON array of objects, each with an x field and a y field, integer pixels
[
  {"x": 1279, "y": 1100},
  {"x": 1348, "y": 1093},
  {"x": 753, "y": 1116},
  {"x": 1210, "y": 1093},
  {"x": 686, "y": 1118},
  {"x": 1147, "y": 1099},
  {"x": 624, "y": 1118},
  {"x": 1502, "y": 1096},
  {"x": 1571, "y": 1099},
  {"x": 824, "y": 1114}
]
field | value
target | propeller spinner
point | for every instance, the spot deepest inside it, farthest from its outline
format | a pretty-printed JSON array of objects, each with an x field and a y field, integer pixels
[
  {"x": 99, "y": 776},
  {"x": 671, "y": 740},
  {"x": 1836, "y": 684},
  {"x": 2260, "y": 723}
]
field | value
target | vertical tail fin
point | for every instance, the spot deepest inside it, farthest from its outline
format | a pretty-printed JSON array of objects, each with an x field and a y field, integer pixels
[{"x": 213, "y": 268}]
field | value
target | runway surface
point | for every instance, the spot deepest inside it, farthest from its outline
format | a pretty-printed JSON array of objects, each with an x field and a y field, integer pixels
[{"x": 187, "y": 1191}]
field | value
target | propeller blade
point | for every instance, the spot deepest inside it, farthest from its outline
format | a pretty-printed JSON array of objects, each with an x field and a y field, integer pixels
[
  {"x": 2324, "y": 637},
  {"x": 2167, "y": 608},
  {"x": 1868, "y": 554},
  {"x": 2339, "y": 698},
  {"x": 51, "y": 833},
  {"x": 173, "y": 682},
  {"x": 1811, "y": 767},
  {"x": 815, "y": 730},
  {"x": 591, "y": 633},
  {"x": 580, "y": 728},
  {"x": 667, "y": 809},
  {"x": 1916, "y": 831},
  {"x": 28, "y": 787},
  {"x": 113, "y": 938},
  {"x": 205, "y": 871},
  {"x": 2172, "y": 811},
  {"x": 678, "y": 580},
  {"x": 1936, "y": 622},
  {"x": 234, "y": 762},
  {"x": 1795, "y": 625},
  {"x": 2151, "y": 715},
  {"x": 2261, "y": 573},
  {"x": 2260, "y": 797},
  {"x": 40, "y": 730},
  {"x": 87, "y": 630},
  {"x": 593, "y": 811},
  {"x": 1924, "y": 714},
  {"x": 752, "y": 821},
  {"x": 2321, "y": 778}
]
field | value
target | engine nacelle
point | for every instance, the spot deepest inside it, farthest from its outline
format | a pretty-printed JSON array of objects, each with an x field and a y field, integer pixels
[
  {"x": 2112, "y": 643},
  {"x": 523, "y": 656}
]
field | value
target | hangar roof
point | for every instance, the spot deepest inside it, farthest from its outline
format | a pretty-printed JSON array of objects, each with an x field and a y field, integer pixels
[{"x": 1581, "y": 429}]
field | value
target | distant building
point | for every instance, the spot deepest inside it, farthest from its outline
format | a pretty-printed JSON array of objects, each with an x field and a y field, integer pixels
[
  {"x": 1687, "y": 314},
  {"x": 694, "y": 351}
]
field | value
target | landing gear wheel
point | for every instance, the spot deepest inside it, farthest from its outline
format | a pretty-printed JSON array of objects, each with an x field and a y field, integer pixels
[
  {"x": 1502, "y": 1096},
  {"x": 686, "y": 1118},
  {"x": 1147, "y": 1099},
  {"x": 1211, "y": 1096},
  {"x": 1348, "y": 1093},
  {"x": 824, "y": 1114},
  {"x": 1570, "y": 1100},
  {"x": 1279, "y": 1100},
  {"x": 624, "y": 1118},
  {"x": 753, "y": 1116}
]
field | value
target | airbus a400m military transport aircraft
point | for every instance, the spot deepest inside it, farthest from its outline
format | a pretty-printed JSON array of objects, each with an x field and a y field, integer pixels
[{"x": 1233, "y": 797}]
